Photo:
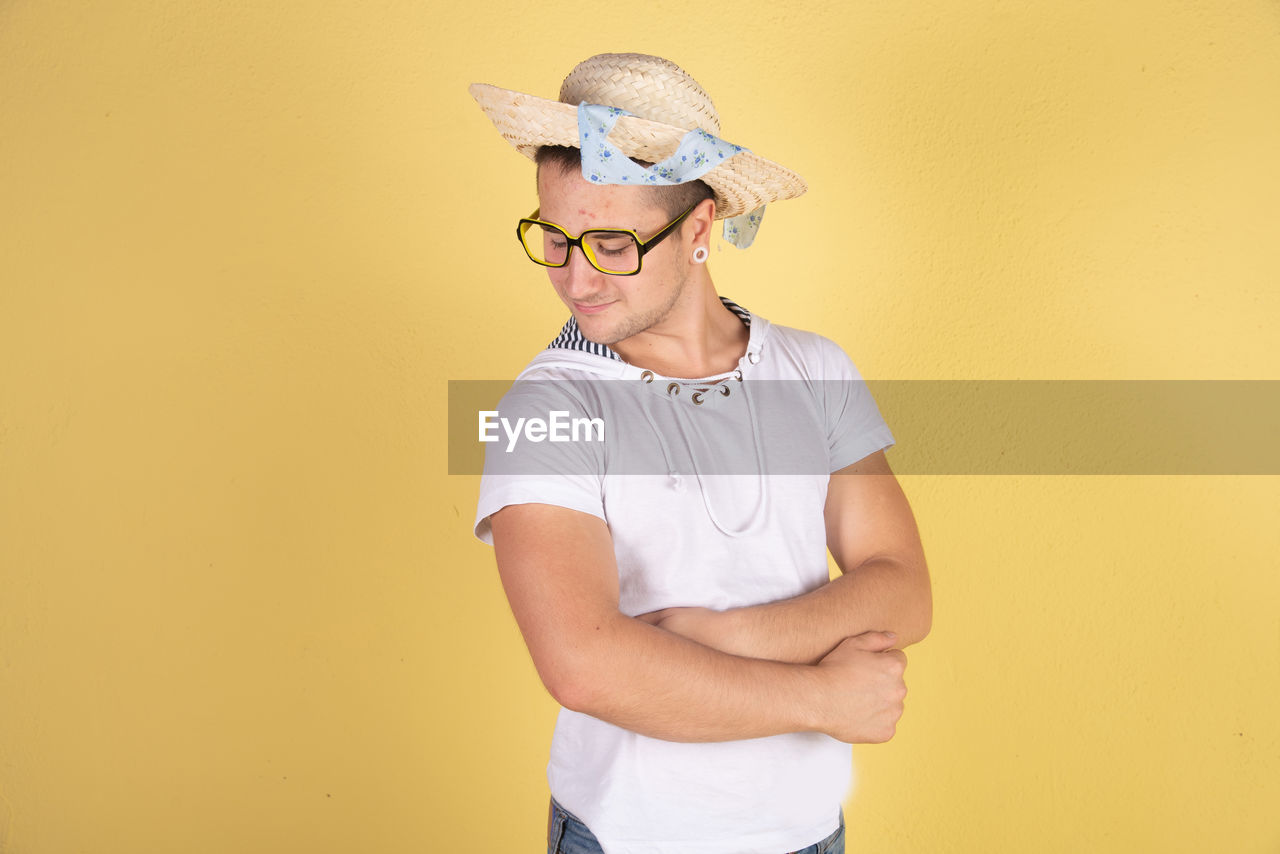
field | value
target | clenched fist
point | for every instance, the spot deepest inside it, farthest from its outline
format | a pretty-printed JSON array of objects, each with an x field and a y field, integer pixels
[{"x": 864, "y": 688}]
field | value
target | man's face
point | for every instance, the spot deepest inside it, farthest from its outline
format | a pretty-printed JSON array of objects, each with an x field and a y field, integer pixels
[{"x": 610, "y": 309}]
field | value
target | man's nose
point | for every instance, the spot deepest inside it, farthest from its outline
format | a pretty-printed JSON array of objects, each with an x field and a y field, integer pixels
[{"x": 580, "y": 278}]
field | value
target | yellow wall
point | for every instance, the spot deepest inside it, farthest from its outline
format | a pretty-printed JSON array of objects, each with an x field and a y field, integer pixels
[{"x": 244, "y": 246}]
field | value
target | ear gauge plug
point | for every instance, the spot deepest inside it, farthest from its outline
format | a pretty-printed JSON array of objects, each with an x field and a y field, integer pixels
[{"x": 700, "y": 255}]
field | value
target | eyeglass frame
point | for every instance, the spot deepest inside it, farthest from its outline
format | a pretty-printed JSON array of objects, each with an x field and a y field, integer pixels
[{"x": 642, "y": 246}]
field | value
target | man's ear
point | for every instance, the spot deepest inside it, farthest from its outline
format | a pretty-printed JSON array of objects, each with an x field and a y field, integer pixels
[{"x": 700, "y": 222}]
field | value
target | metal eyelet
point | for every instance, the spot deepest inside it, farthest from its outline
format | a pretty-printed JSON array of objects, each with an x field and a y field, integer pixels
[
  {"x": 673, "y": 389},
  {"x": 753, "y": 358},
  {"x": 737, "y": 374},
  {"x": 696, "y": 397},
  {"x": 646, "y": 377},
  {"x": 724, "y": 390}
]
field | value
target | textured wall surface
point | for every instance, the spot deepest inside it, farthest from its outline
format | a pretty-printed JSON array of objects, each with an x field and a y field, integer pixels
[{"x": 244, "y": 246}]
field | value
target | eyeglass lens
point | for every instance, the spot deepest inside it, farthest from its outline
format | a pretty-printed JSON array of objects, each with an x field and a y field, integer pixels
[{"x": 610, "y": 252}]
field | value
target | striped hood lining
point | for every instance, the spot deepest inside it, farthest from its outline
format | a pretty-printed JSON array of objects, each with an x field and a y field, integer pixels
[{"x": 570, "y": 337}]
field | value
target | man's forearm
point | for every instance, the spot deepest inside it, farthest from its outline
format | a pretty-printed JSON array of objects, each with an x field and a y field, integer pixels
[
  {"x": 665, "y": 686},
  {"x": 659, "y": 684},
  {"x": 879, "y": 595},
  {"x": 872, "y": 535},
  {"x": 596, "y": 660}
]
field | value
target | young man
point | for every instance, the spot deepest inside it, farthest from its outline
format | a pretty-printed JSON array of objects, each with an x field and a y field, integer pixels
[{"x": 671, "y": 583}]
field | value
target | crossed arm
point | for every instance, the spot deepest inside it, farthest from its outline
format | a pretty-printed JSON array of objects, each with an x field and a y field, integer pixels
[
  {"x": 883, "y": 586},
  {"x": 687, "y": 674}
]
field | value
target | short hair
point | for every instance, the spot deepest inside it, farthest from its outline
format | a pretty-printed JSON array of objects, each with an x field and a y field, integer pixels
[{"x": 675, "y": 199}]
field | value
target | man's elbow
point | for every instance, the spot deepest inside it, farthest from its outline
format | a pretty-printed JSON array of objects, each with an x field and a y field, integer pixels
[
  {"x": 571, "y": 689},
  {"x": 572, "y": 675},
  {"x": 912, "y": 604},
  {"x": 920, "y": 620},
  {"x": 919, "y": 627}
]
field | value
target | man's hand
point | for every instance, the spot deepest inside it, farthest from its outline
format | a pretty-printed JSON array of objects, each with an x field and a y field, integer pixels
[
  {"x": 866, "y": 688},
  {"x": 862, "y": 677}
]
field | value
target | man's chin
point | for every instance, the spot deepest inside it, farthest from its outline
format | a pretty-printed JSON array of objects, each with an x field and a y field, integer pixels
[
  {"x": 595, "y": 329},
  {"x": 605, "y": 337}
]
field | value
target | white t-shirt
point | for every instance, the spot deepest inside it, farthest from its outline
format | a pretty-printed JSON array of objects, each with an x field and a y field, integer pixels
[{"x": 713, "y": 491}]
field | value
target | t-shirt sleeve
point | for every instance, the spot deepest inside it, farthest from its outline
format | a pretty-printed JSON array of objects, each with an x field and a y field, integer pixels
[
  {"x": 854, "y": 425},
  {"x": 529, "y": 462}
]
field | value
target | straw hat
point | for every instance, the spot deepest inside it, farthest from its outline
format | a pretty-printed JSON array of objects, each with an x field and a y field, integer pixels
[{"x": 667, "y": 104}]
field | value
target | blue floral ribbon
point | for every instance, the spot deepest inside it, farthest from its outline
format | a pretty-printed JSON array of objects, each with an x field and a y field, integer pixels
[{"x": 699, "y": 152}]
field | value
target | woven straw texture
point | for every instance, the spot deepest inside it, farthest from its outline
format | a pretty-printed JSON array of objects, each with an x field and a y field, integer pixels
[
  {"x": 648, "y": 86},
  {"x": 667, "y": 103}
]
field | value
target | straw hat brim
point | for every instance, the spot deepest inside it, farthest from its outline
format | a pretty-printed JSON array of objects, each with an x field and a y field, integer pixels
[{"x": 741, "y": 183}]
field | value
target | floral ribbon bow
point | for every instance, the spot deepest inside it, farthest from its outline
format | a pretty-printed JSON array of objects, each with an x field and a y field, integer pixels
[{"x": 699, "y": 152}]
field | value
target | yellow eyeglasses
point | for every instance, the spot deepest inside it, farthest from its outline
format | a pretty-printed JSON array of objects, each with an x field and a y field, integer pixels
[{"x": 616, "y": 251}]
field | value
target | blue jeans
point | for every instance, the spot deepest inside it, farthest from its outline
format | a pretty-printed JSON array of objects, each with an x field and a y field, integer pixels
[{"x": 567, "y": 835}]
